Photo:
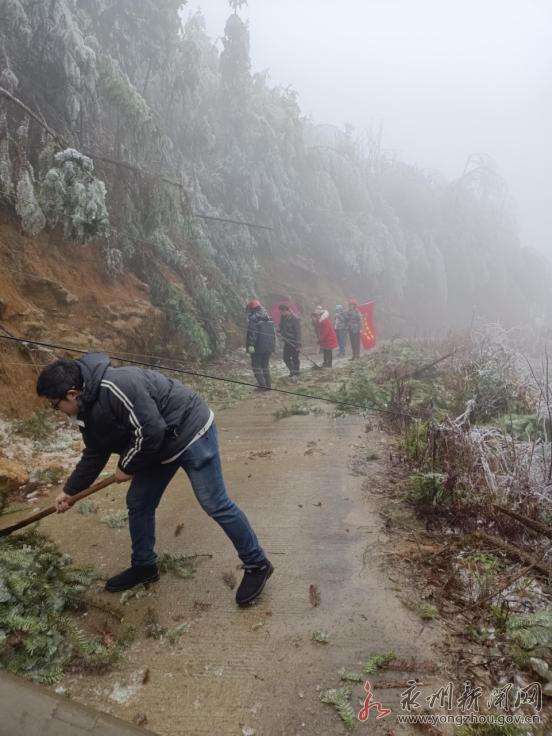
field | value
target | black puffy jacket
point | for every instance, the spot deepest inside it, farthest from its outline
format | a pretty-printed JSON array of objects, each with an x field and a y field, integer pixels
[
  {"x": 260, "y": 332},
  {"x": 290, "y": 330},
  {"x": 141, "y": 415}
]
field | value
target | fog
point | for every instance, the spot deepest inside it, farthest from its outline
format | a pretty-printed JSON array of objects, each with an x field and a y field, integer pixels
[{"x": 442, "y": 79}]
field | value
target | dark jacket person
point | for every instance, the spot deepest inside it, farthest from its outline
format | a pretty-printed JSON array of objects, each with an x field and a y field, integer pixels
[
  {"x": 290, "y": 332},
  {"x": 354, "y": 325},
  {"x": 156, "y": 425},
  {"x": 260, "y": 342}
]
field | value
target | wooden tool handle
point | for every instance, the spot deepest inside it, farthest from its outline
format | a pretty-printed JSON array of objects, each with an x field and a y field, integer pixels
[{"x": 52, "y": 509}]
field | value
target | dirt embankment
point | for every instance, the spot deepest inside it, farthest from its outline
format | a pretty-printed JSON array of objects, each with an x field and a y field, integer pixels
[{"x": 54, "y": 291}]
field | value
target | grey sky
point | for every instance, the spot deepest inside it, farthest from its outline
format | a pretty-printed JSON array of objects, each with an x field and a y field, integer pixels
[{"x": 443, "y": 79}]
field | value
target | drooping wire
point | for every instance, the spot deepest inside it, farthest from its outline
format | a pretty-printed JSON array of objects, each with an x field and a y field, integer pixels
[{"x": 198, "y": 374}]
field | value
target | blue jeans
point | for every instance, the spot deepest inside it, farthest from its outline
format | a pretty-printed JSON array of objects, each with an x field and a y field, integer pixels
[
  {"x": 342, "y": 340},
  {"x": 201, "y": 461}
]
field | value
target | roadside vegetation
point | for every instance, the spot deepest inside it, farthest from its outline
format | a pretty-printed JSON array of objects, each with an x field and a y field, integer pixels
[
  {"x": 469, "y": 422},
  {"x": 42, "y": 598},
  {"x": 470, "y": 419}
]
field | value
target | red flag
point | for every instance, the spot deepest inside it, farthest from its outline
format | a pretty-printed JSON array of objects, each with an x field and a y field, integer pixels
[{"x": 368, "y": 333}]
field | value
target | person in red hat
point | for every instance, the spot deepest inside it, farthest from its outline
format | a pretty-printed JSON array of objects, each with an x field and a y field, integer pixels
[
  {"x": 327, "y": 338},
  {"x": 354, "y": 325},
  {"x": 260, "y": 342}
]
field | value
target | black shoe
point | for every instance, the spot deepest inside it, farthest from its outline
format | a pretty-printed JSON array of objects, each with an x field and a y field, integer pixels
[
  {"x": 131, "y": 577},
  {"x": 253, "y": 582}
]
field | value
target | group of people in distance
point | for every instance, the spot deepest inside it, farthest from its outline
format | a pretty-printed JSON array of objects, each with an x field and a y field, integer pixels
[{"x": 260, "y": 340}]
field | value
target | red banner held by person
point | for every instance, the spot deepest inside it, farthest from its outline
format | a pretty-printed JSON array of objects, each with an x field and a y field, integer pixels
[{"x": 368, "y": 334}]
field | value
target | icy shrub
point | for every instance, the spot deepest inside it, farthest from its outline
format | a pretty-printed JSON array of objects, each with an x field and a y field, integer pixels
[
  {"x": 71, "y": 195},
  {"x": 26, "y": 203}
]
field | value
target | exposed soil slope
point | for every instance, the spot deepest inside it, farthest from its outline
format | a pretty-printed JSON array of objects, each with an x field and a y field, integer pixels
[{"x": 51, "y": 290}]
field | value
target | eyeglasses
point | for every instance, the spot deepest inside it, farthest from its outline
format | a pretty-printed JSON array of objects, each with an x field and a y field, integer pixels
[{"x": 54, "y": 403}]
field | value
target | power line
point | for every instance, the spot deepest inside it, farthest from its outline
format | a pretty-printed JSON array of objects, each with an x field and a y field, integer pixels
[
  {"x": 234, "y": 222},
  {"x": 197, "y": 374},
  {"x": 36, "y": 365}
]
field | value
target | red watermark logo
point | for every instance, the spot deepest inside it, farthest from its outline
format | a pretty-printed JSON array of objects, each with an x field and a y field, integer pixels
[
  {"x": 369, "y": 703},
  {"x": 507, "y": 698}
]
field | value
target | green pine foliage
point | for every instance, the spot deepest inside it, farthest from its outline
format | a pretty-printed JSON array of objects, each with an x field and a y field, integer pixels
[
  {"x": 152, "y": 627},
  {"x": 428, "y": 489},
  {"x": 340, "y": 698},
  {"x": 87, "y": 507},
  {"x": 347, "y": 676},
  {"x": 489, "y": 730},
  {"x": 321, "y": 637},
  {"x": 182, "y": 566},
  {"x": 377, "y": 661},
  {"x": 38, "y": 588},
  {"x": 297, "y": 409},
  {"x": 183, "y": 317},
  {"x": 532, "y": 632},
  {"x": 116, "y": 520},
  {"x": 155, "y": 630},
  {"x": 361, "y": 389},
  {"x": 121, "y": 93},
  {"x": 139, "y": 591}
]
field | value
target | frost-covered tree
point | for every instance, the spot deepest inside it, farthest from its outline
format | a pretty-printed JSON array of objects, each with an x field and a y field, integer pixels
[
  {"x": 26, "y": 203},
  {"x": 71, "y": 195},
  {"x": 173, "y": 127},
  {"x": 6, "y": 167},
  {"x": 8, "y": 79},
  {"x": 235, "y": 63},
  {"x": 237, "y": 4}
]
